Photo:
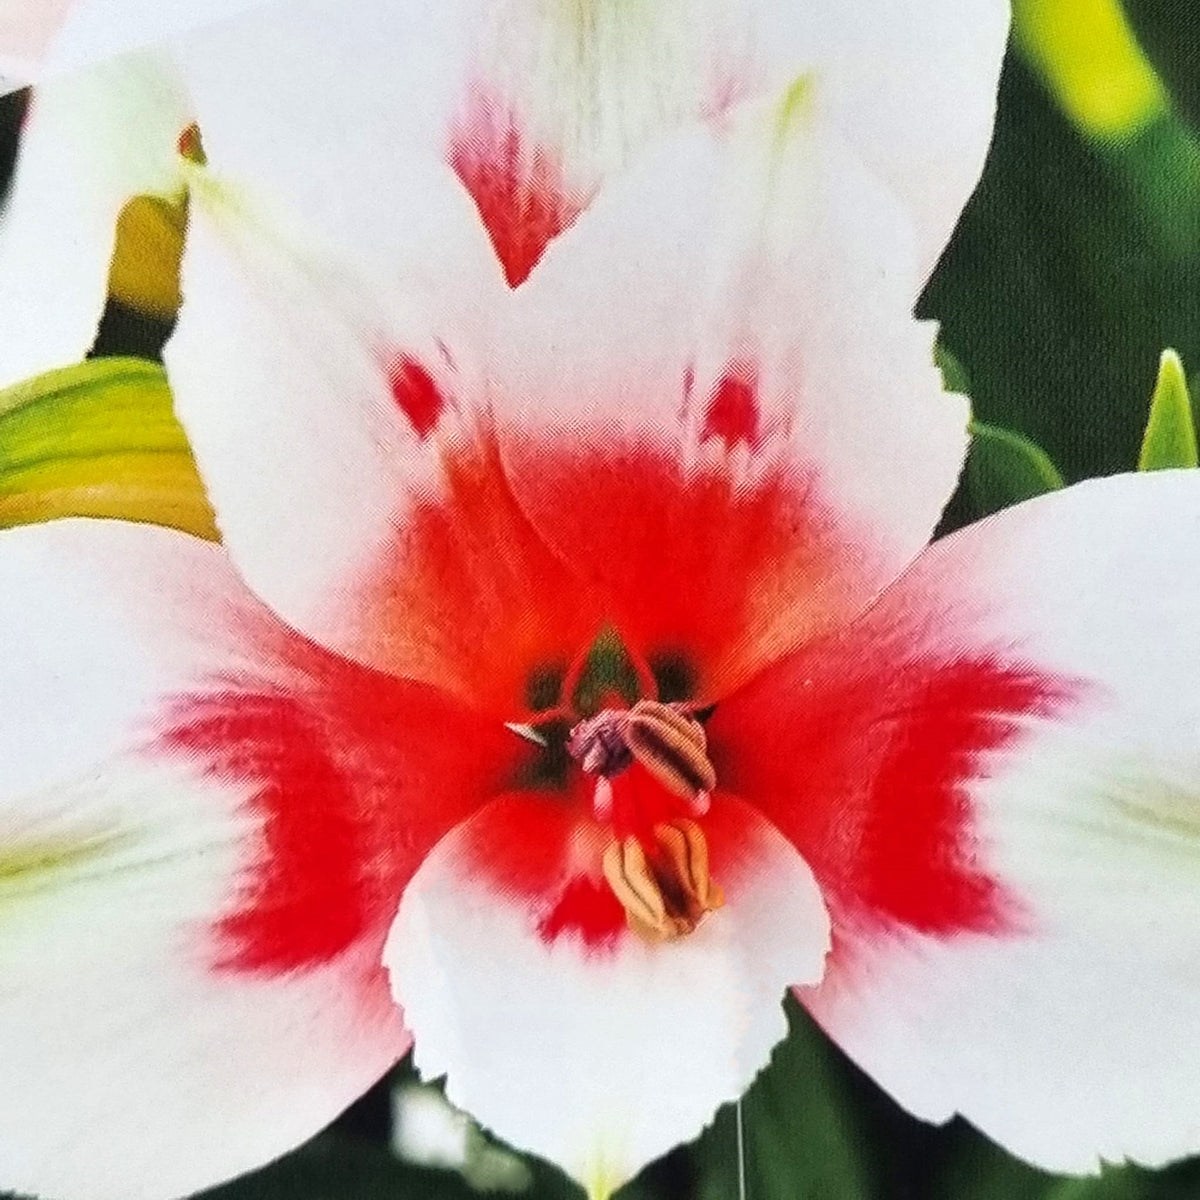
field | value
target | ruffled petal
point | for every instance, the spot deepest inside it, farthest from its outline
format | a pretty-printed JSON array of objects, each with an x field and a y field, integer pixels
[
  {"x": 995, "y": 778},
  {"x": 205, "y": 827},
  {"x": 628, "y": 1047},
  {"x": 91, "y": 141},
  {"x": 714, "y": 401}
]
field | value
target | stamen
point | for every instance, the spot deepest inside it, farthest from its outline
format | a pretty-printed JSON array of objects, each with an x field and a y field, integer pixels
[
  {"x": 672, "y": 746},
  {"x": 667, "y": 740},
  {"x": 666, "y": 894}
]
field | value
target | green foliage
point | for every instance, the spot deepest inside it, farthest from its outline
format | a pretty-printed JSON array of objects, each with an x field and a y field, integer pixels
[
  {"x": 1074, "y": 264},
  {"x": 1005, "y": 468},
  {"x": 1170, "y": 438},
  {"x": 804, "y": 1136}
]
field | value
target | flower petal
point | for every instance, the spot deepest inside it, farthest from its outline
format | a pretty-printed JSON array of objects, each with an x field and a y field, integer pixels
[
  {"x": 205, "y": 826},
  {"x": 630, "y": 1046},
  {"x": 1018, "y": 800},
  {"x": 91, "y": 141},
  {"x": 719, "y": 358},
  {"x": 43, "y": 39},
  {"x": 913, "y": 87},
  {"x": 337, "y": 420},
  {"x": 537, "y": 105}
]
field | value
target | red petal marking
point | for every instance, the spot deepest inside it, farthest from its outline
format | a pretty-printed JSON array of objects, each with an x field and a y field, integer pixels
[
  {"x": 354, "y": 778},
  {"x": 859, "y": 750},
  {"x": 586, "y": 909},
  {"x": 541, "y": 851},
  {"x": 732, "y": 412},
  {"x": 722, "y": 575},
  {"x": 415, "y": 393},
  {"x": 471, "y": 599},
  {"x": 519, "y": 189}
]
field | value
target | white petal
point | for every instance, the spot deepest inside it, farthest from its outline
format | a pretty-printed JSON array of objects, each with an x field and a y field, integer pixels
[
  {"x": 539, "y": 94},
  {"x": 283, "y": 367},
  {"x": 90, "y": 143},
  {"x": 913, "y": 86},
  {"x": 139, "y": 1061},
  {"x": 764, "y": 249},
  {"x": 623, "y": 1053},
  {"x": 1067, "y": 1037},
  {"x": 41, "y": 40}
]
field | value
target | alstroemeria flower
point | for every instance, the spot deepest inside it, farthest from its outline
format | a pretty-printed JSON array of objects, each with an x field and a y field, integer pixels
[{"x": 565, "y": 689}]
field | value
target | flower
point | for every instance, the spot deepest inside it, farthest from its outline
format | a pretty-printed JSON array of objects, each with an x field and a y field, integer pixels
[{"x": 571, "y": 679}]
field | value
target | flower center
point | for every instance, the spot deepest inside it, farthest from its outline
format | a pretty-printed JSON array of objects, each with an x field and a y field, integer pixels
[{"x": 660, "y": 877}]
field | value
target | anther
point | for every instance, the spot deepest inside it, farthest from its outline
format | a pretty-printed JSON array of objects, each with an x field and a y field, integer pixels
[
  {"x": 672, "y": 746},
  {"x": 667, "y": 892},
  {"x": 669, "y": 742}
]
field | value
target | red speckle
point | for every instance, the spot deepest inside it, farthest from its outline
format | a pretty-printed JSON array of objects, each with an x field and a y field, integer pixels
[
  {"x": 518, "y": 188},
  {"x": 732, "y": 412},
  {"x": 416, "y": 394},
  {"x": 354, "y": 778},
  {"x": 860, "y": 752}
]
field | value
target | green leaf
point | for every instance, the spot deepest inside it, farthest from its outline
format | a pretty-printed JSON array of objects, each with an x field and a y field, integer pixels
[
  {"x": 337, "y": 1168},
  {"x": 98, "y": 439},
  {"x": 954, "y": 374},
  {"x": 1005, "y": 468},
  {"x": 1170, "y": 438}
]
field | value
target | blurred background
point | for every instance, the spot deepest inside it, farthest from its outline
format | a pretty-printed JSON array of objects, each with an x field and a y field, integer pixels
[{"x": 1075, "y": 265}]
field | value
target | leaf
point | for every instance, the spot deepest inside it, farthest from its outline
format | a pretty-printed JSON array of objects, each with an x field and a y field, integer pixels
[
  {"x": 1005, "y": 468},
  {"x": 954, "y": 374},
  {"x": 1170, "y": 438},
  {"x": 99, "y": 439}
]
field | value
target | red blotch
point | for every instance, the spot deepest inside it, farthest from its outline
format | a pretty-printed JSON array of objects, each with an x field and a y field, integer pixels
[
  {"x": 415, "y": 393},
  {"x": 697, "y": 565},
  {"x": 471, "y": 598},
  {"x": 732, "y": 412},
  {"x": 354, "y": 778},
  {"x": 519, "y": 189},
  {"x": 527, "y": 848},
  {"x": 586, "y": 909},
  {"x": 860, "y": 753}
]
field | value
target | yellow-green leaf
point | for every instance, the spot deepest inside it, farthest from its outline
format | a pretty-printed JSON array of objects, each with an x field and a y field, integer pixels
[
  {"x": 1091, "y": 61},
  {"x": 1170, "y": 438},
  {"x": 99, "y": 439},
  {"x": 954, "y": 375}
]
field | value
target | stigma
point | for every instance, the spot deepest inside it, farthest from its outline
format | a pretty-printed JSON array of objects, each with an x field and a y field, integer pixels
[{"x": 659, "y": 874}]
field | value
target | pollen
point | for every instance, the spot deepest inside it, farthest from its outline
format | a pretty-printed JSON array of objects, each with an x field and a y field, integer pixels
[{"x": 665, "y": 890}]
